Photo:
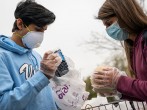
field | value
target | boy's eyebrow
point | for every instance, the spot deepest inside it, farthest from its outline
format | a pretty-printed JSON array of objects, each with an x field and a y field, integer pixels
[
  {"x": 40, "y": 28},
  {"x": 37, "y": 27}
]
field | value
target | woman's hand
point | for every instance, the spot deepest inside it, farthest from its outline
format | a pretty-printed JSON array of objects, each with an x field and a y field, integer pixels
[{"x": 105, "y": 80}]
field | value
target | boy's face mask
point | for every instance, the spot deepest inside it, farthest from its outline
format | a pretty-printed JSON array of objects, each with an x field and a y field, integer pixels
[
  {"x": 32, "y": 39},
  {"x": 117, "y": 33}
]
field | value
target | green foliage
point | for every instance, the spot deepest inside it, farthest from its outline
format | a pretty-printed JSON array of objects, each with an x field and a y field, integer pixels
[{"x": 89, "y": 88}]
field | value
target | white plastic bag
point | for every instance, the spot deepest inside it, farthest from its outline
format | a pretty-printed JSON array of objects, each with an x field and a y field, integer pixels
[{"x": 69, "y": 90}]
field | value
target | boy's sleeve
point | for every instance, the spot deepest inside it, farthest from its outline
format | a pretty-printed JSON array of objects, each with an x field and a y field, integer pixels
[{"x": 17, "y": 98}]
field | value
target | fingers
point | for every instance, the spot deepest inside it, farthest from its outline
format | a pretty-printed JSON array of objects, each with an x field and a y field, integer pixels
[
  {"x": 108, "y": 78},
  {"x": 105, "y": 74},
  {"x": 101, "y": 75},
  {"x": 107, "y": 68},
  {"x": 58, "y": 60},
  {"x": 102, "y": 78},
  {"x": 47, "y": 54},
  {"x": 103, "y": 82},
  {"x": 52, "y": 56},
  {"x": 50, "y": 63},
  {"x": 52, "y": 60}
]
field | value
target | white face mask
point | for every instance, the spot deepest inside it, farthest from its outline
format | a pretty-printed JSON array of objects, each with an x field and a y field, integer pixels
[{"x": 32, "y": 39}]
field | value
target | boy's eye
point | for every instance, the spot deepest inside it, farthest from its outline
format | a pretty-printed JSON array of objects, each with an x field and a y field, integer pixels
[{"x": 38, "y": 28}]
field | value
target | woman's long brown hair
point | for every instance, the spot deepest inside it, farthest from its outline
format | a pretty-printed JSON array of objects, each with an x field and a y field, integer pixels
[{"x": 130, "y": 17}]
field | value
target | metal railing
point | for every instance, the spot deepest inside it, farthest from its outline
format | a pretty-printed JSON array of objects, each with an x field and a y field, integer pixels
[{"x": 118, "y": 105}]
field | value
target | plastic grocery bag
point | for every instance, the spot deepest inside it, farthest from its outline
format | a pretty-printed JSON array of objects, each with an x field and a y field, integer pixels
[{"x": 69, "y": 90}]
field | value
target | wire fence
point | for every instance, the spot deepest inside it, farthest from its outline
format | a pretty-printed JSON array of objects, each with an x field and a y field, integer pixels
[{"x": 118, "y": 105}]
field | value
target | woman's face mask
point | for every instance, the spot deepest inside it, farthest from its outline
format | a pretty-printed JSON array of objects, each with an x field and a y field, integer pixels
[
  {"x": 32, "y": 39},
  {"x": 117, "y": 33}
]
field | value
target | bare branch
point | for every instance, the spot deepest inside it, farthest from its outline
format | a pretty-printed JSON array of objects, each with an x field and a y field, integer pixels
[{"x": 100, "y": 42}]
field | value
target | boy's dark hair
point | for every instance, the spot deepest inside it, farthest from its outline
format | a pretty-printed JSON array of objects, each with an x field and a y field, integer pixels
[{"x": 32, "y": 13}]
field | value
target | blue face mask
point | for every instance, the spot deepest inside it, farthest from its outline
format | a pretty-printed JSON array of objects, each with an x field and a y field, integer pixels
[{"x": 117, "y": 33}]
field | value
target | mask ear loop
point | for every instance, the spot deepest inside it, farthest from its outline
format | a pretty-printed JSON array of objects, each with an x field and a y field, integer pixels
[
  {"x": 19, "y": 19},
  {"x": 18, "y": 35},
  {"x": 27, "y": 28}
]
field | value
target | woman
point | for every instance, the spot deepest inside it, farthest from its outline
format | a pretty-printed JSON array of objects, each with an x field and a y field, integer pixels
[{"x": 126, "y": 21}]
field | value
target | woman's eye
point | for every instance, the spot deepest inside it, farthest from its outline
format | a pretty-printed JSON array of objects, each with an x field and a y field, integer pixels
[{"x": 108, "y": 24}]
